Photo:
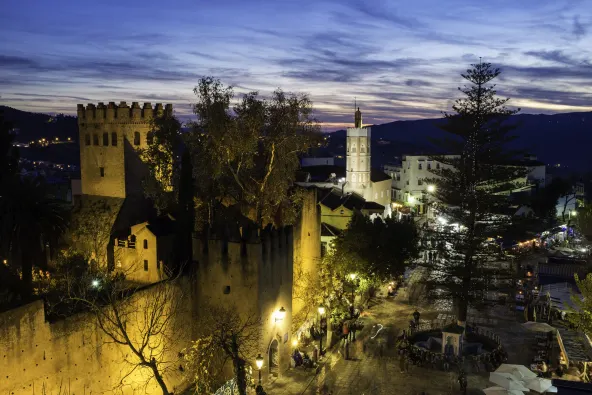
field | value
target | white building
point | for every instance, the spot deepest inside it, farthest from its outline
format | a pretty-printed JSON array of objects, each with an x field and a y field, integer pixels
[{"x": 410, "y": 179}]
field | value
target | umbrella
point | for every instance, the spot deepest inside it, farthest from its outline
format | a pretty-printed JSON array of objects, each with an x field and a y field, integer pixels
[
  {"x": 551, "y": 389},
  {"x": 507, "y": 381},
  {"x": 538, "y": 384},
  {"x": 538, "y": 326},
  {"x": 501, "y": 391},
  {"x": 521, "y": 372}
]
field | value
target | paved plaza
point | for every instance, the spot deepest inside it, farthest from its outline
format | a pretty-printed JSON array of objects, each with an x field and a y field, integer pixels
[{"x": 370, "y": 373}]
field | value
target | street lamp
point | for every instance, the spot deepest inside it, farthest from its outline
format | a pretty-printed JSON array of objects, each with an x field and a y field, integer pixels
[
  {"x": 259, "y": 363},
  {"x": 431, "y": 188},
  {"x": 321, "y": 312},
  {"x": 280, "y": 315}
]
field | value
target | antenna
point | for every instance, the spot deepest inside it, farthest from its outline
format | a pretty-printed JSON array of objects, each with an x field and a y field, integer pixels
[{"x": 355, "y": 103}]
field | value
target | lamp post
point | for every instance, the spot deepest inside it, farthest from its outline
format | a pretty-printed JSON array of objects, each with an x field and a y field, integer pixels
[
  {"x": 321, "y": 312},
  {"x": 259, "y": 363}
]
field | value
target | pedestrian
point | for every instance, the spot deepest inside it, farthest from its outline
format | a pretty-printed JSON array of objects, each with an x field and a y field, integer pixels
[
  {"x": 416, "y": 316},
  {"x": 462, "y": 381}
]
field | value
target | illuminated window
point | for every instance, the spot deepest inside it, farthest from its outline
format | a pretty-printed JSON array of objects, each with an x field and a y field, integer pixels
[
  {"x": 145, "y": 265},
  {"x": 341, "y": 212},
  {"x": 136, "y": 138},
  {"x": 102, "y": 171},
  {"x": 362, "y": 148},
  {"x": 145, "y": 244},
  {"x": 95, "y": 139},
  {"x": 381, "y": 194},
  {"x": 87, "y": 139},
  {"x": 114, "y": 139},
  {"x": 375, "y": 195}
]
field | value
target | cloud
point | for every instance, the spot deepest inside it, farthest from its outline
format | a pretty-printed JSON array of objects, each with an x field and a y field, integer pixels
[
  {"x": 578, "y": 29},
  {"x": 414, "y": 82},
  {"x": 557, "y": 56}
]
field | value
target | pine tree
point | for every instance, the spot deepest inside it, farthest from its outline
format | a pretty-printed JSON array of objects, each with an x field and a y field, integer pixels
[{"x": 471, "y": 187}]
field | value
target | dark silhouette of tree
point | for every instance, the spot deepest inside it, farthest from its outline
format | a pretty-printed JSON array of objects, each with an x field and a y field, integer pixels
[
  {"x": 470, "y": 189},
  {"x": 30, "y": 220}
]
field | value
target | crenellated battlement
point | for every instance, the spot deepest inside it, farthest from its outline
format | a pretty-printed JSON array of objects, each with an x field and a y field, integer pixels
[{"x": 122, "y": 113}]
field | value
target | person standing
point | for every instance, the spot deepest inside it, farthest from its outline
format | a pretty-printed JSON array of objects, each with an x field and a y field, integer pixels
[{"x": 416, "y": 316}]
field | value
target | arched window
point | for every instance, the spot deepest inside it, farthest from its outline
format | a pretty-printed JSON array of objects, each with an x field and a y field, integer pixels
[
  {"x": 145, "y": 244},
  {"x": 354, "y": 148},
  {"x": 95, "y": 139},
  {"x": 150, "y": 138},
  {"x": 114, "y": 139},
  {"x": 362, "y": 149},
  {"x": 136, "y": 138},
  {"x": 105, "y": 139},
  {"x": 87, "y": 139}
]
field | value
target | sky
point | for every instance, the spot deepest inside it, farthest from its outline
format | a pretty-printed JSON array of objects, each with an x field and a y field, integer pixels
[{"x": 398, "y": 59}]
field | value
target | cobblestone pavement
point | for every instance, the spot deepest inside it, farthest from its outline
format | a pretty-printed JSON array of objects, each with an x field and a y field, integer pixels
[{"x": 368, "y": 372}]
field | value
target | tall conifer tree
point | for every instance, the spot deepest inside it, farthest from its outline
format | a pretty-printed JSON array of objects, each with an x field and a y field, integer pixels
[{"x": 471, "y": 187}]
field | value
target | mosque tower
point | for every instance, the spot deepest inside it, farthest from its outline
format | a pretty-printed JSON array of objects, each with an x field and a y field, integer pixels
[{"x": 358, "y": 159}]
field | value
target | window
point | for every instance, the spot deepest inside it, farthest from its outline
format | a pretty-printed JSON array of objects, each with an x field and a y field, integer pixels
[
  {"x": 420, "y": 182},
  {"x": 149, "y": 138},
  {"x": 102, "y": 171},
  {"x": 437, "y": 166},
  {"x": 353, "y": 148},
  {"x": 226, "y": 290},
  {"x": 145, "y": 244},
  {"x": 362, "y": 148},
  {"x": 145, "y": 265},
  {"x": 407, "y": 182},
  {"x": 419, "y": 166},
  {"x": 114, "y": 139},
  {"x": 429, "y": 166},
  {"x": 87, "y": 139},
  {"x": 375, "y": 195},
  {"x": 136, "y": 138},
  {"x": 95, "y": 139},
  {"x": 105, "y": 139},
  {"x": 342, "y": 212},
  {"x": 381, "y": 194}
]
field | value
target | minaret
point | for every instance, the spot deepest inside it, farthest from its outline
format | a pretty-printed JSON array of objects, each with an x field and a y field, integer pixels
[{"x": 358, "y": 158}]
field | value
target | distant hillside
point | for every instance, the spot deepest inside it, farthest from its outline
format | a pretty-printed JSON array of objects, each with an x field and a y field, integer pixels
[
  {"x": 559, "y": 138},
  {"x": 34, "y": 126}
]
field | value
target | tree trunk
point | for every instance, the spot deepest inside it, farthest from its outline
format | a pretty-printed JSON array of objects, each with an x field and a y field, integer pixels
[
  {"x": 239, "y": 368},
  {"x": 463, "y": 308},
  {"x": 158, "y": 377}
]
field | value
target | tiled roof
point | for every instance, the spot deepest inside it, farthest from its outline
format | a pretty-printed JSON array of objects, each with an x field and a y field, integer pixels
[{"x": 332, "y": 198}]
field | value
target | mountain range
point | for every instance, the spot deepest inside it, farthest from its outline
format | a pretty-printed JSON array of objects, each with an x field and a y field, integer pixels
[{"x": 564, "y": 139}]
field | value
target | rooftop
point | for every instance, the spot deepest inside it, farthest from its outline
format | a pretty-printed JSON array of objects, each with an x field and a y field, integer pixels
[{"x": 332, "y": 198}]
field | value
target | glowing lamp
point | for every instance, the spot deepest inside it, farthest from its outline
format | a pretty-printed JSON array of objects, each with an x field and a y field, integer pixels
[
  {"x": 280, "y": 315},
  {"x": 95, "y": 283},
  {"x": 259, "y": 361},
  {"x": 294, "y": 342},
  {"x": 5, "y": 262},
  {"x": 431, "y": 188},
  {"x": 321, "y": 309},
  {"x": 352, "y": 276}
]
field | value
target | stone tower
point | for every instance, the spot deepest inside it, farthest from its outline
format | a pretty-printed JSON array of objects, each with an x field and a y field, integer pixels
[
  {"x": 110, "y": 137},
  {"x": 358, "y": 159}
]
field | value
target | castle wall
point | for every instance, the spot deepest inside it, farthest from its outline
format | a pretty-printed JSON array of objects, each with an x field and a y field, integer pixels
[
  {"x": 307, "y": 255},
  {"x": 74, "y": 355},
  {"x": 109, "y": 161},
  {"x": 251, "y": 278}
]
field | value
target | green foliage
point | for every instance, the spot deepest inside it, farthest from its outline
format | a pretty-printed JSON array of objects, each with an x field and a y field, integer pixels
[
  {"x": 248, "y": 154},
  {"x": 581, "y": 313},
  {"x": 376, "y": 248},
  {"x": 471, "y": 190},
  {"x": 164, "y": 143}
]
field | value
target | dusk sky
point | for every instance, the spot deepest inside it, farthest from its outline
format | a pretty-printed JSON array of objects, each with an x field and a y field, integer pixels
[{"x": 401, "y": 59}]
